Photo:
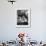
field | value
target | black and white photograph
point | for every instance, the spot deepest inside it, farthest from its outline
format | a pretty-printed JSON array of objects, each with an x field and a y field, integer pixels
[{"x": 23, "y": 18}]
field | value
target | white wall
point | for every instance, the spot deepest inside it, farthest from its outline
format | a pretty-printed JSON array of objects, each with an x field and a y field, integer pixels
[{"x": 8, "y": 28}]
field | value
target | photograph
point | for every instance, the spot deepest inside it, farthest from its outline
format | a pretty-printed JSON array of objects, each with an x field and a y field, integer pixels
[{"x": 23, "y": 18}]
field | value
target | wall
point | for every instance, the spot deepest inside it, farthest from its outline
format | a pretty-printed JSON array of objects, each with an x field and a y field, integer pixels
[{"x": 8, "y": 28}]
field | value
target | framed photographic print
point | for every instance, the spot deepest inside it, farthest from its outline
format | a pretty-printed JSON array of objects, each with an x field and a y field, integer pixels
[{"x": 23, "y": 17}]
